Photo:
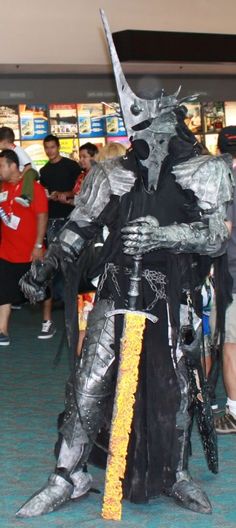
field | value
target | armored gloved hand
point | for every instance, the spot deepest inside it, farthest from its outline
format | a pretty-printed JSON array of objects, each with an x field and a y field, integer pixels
[
  {"x": 35, "y": 281},
  {"x": 144, "y": 234},
  {"x": 140, "y": 235}
]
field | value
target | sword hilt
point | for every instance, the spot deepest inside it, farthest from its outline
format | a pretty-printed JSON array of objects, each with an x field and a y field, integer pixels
[
  {"x": 134, "y": 282},
  {"x": 134, "y": 292}
]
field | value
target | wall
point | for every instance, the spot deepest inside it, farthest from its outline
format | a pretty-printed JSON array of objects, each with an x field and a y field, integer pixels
[
  {"x": 55, "y": 51},
  {"x": 74, "y": 88},
  {"x": 60, "y": 32}
]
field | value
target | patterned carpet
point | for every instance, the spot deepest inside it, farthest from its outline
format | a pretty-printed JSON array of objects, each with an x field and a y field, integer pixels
[{"x": 31, "y": 397}]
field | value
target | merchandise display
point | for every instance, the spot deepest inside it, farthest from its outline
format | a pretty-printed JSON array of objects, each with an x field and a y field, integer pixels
[
  {"x": 99, "y": 142},
  {"x": 63, "y": 120},
  {"x": 36, "y": 152},
  {"x": 9, "y": 116},
  {"x": 90, "y": 120},
  {"x": 206, "y": 120},
  {"x": 114, "y": 123},
  {"x": 101, "y": 123},
  {"x": 230, "y": 113},
  {"x": 214, "y": 117},
  {"x": 33, "y": 121},
  {"x": 69, "y": 147},
  {"x": 193, "y": 119}
]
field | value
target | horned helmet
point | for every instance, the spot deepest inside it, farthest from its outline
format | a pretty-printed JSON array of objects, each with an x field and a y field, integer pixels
[{"x": 146, "y": 118}]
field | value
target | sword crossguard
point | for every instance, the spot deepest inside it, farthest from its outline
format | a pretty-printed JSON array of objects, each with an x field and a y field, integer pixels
[{"x": 123, "y": 311}]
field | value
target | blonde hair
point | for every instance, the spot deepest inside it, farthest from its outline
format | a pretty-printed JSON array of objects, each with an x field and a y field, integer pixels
[{"x": 111, "y": 150}]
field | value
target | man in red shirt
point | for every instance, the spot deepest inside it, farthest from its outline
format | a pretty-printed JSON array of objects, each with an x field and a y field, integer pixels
[{"x": 22, "y": 233}]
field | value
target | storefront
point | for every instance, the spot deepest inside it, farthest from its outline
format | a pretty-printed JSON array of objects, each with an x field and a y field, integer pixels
[{"x": 84, "y": 108}]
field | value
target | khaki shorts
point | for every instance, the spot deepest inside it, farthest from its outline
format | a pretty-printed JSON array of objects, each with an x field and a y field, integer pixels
[{"x": 230, "y": 322}]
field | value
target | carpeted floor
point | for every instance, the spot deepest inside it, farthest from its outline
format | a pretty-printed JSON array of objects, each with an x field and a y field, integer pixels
[{"x": 32, "y": 391}]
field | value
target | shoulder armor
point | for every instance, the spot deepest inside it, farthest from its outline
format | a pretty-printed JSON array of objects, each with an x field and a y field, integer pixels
[
  {"x": 104, "y": 179},
  {"x": 209, "y": 177},
  {"x": 120, "y": 179}
]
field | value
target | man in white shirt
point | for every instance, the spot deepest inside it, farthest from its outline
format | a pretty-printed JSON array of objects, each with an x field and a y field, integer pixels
[{"x": 7, "y": 138}]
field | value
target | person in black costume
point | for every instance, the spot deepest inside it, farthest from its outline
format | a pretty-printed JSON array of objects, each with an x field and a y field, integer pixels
[{"x": 167, "y": 202}]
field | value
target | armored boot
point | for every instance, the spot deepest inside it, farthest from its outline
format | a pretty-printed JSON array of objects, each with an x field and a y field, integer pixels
[
  {"x": 56, "y": 492},
  {"x": 189, "y": 494},
  {"x": 184, "y": 490},
  {"x": 63, "y": 485}
]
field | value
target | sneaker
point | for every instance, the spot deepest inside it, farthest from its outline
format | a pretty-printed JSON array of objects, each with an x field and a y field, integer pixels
[
  {"x": 4, "y": 340},
  {"x": 23, "y": 200},
  {"x": 226, "y": 424},
  {"x": 214, "y": 404},
  {"x": 48, "y": 330}
]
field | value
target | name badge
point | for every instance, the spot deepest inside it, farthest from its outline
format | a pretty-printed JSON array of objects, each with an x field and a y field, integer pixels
[
  {"x": 3, "y": 196},
  {"x": 14, "y": 222}
]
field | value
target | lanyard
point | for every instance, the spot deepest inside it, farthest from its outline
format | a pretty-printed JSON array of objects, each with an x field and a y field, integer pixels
[{"x": 13, "y": 191}]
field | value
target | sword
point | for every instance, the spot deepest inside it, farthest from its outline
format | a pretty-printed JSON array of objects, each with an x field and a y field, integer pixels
[{"x": 127, "y": 380}]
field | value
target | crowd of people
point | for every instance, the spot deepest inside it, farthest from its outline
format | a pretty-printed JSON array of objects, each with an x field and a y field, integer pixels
[{"x": 32, "y": 218}]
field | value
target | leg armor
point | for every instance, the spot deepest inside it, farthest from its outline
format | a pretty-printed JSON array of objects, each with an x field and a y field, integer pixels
[
  {"x": 185, "y": 490},
  {"x": 85, "y": 407},
  {"x": 86, "y": 404}
]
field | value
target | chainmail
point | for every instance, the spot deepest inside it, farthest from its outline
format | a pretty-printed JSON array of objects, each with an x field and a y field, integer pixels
[
  {"x": 113, "y": 270},
  {"x": 157, "y": 282},
  {"x": 155, "y": 279}
]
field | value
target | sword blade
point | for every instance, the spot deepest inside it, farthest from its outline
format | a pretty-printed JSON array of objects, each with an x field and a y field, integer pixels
[{"x": 131, "y": 347}]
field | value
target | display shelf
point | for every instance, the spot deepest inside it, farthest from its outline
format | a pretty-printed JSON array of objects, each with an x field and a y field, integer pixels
[
  {"x": 100, "y": 123},
  {"x": 33, "y": 122},
  {"x": 207, "y": 119},
  {"x": 9, "y": 116},
  {"x": 63, "y": 120}
]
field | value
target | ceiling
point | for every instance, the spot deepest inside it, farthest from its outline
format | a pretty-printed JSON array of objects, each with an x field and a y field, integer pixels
[{"x": 59, "y": 37}]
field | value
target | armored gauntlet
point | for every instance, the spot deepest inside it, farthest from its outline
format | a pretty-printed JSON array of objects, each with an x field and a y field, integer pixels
[
  {"x": 34, "y": 283},
  {"x": 205, "y": 237}
]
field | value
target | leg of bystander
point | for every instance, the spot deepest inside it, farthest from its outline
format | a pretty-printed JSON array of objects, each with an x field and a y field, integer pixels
[
  {"x": 5, "y": 310},
  {"x": 48, "y": 328},
  {"x": 226, "y": 424}
]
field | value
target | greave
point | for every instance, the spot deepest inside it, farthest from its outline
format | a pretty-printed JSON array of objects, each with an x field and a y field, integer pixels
[
  {"x": 185, "y": 490},
  {"x": 69, "y": 457},
  {"x": 88, "y": 393}
]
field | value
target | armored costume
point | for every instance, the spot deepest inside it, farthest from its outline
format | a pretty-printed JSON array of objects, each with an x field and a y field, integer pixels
[{"x": 166, "y": 202}]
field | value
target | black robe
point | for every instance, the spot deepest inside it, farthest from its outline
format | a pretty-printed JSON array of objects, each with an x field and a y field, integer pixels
[{"x": 154, "y": 448}]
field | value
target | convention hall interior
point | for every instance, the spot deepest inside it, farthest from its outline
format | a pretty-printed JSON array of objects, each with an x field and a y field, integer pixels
[{"x": 56, "y": 78}]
